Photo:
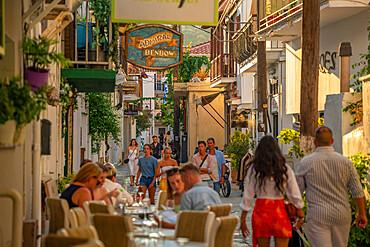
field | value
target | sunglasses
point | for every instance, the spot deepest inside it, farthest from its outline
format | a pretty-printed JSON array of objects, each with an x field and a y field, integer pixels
[{"x": 171, "y": 171}]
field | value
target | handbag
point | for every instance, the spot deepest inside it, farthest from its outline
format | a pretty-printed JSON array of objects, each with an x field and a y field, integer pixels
[
  {"x": 128, "y": 158},
  {"x": 291, "y": 210}
]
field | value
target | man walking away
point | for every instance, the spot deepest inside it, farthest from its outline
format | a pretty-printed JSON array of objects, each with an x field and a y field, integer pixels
[
  {"x": 218, "y": 156},
  {"x": 326, "y": 176},
  {"x": 197, "y": 195}
]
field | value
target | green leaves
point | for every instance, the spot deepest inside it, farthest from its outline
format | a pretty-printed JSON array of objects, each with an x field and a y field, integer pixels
[
  {"x": 187, "y": 69},
  {"x": 360, "y": 237},
  {"x": 19, "y": 103},
  {"x": 143, "y": 122},
  {"x": 240, "y": 144},
  {"x": 104, "y": 120},
  {"x": 289, "y": 136},
  {"x": 37, "y": 54}
]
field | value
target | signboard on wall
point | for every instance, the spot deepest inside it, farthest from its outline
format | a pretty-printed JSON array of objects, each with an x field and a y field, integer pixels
[
  {"x": 275, "y": 104},
  {"x": 154, "y": 47},
  {"x": 184, "y": 12}
]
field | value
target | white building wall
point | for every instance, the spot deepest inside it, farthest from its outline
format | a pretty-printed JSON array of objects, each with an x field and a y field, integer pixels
[{"x": 353, "y": 30}]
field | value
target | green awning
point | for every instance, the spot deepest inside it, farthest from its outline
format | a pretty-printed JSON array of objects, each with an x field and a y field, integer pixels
[{"x": 91, "y": 80}]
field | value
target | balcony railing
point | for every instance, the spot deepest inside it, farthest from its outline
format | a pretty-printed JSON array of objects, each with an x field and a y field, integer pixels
[
  {"x": 243, "y": 44},
  {"x": 293, "y": 8},
  {"x": 81, "y": 43},
  {"x": 223, "y": 65}
]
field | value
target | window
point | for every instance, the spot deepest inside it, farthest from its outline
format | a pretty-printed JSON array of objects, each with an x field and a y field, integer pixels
[
  {"x": 274, "y": 89},
  {"x": 45, "y": 136}
]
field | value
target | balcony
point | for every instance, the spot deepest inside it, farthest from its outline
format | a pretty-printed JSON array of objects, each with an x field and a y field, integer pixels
[
  {"x": 243, "y": 44},
  {"x": 282, "y": 21},
  {"x": 83, "y": 45},
  {"x": 223, "y": 64},
  {"x": 223, "y": 67},
  {"x": 282, "y": 11}
]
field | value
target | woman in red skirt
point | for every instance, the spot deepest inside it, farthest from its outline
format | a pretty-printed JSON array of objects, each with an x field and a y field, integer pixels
[{"x": 270, "y": 179}]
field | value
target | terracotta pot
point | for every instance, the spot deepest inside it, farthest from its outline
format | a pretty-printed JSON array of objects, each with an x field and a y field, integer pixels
[
  {"x": 234, "y": 174},
  {"x": 36, "y": 79},
  {"x": 20, "y": 135},
  {"x": 7, "y": 131}
]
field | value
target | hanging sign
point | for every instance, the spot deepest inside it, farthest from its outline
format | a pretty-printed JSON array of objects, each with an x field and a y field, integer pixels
[
  {"x": 154, "y": 47},
  {"x": 184, "y": 12}
]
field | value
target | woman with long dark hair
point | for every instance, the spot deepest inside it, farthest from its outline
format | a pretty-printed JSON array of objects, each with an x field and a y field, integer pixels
[
  {"x": 270, "y": 179},
  {"x": 133, "y": 155}
]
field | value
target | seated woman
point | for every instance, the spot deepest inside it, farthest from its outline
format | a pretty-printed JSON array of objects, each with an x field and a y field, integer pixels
[
  {"x": 175, "y": 191},
  {"x": 99, "y": 192},
  {"x": 82, "y": 185}
]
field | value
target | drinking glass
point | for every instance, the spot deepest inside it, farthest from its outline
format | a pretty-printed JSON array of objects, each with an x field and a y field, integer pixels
[
  {"x": 141, "y": 198},
  {"x": 170, "y": 204},
  {"x": 182, "y": 241}
]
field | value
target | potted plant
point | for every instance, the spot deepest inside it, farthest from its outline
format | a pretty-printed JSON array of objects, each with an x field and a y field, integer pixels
[
  {"x": 240, "y": 144},
  {"x": 7, "y": 109},
  {"x": 26, "y": 105},
  {"x": 38, "y": 57}
]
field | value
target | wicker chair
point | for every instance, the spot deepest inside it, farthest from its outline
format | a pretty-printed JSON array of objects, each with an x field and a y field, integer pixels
[
  {"x": 161, "y": 199},
  {"x": 81, "y": 232},
  {"x": 77, "y": 217},
  {"x": 97, "y": 207},
  {"x": 223, "y": 231},
  {"x": 58, "y": 210},
  {"x": 113, "y": 229},
  {"x": 220, "y": 209},
  {"x": 91, "y": 243},
  {"x": 53, "y": 240},
  {"x": 195, "y": 225}
]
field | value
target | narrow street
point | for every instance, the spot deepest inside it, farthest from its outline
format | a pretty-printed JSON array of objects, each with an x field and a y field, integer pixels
[{"x": 234, "y": 198}]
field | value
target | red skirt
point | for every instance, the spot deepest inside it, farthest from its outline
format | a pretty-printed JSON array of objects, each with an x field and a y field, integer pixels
[{"x": 270, "y": 219}]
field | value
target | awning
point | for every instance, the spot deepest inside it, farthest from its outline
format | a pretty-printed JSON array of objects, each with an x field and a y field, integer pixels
[
  {"x": 205, "y": 100},
  {"x": 91, "y": 80}
]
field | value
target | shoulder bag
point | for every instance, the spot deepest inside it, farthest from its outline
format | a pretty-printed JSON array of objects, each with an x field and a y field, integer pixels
[{"x": 128, "y": 158}]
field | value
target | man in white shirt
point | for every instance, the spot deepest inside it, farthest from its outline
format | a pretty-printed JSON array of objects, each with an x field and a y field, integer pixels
[{"x": 326, "y": 176}]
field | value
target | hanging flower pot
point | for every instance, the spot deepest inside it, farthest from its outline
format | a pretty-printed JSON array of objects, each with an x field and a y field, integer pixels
[
  {"x": 7, "y": 131},
  {"x": 20, "y": 134},
  {"x": 36, "y": 79}
]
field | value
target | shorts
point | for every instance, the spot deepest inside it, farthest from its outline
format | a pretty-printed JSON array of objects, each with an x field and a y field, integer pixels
[{"x": 146, "y": 181}]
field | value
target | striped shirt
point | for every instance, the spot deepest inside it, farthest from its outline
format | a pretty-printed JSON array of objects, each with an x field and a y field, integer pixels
[{"x": 326, "y": 176}]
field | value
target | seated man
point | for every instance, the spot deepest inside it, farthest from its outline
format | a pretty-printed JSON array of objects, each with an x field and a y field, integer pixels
[{"x": 197, "y": 195}]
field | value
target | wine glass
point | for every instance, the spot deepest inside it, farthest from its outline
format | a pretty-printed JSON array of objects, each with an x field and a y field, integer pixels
[
  {"x": 140, "y": 198},
  {"x": 121, "y": 202},
  {"x": 182, "y": 241},
  {"x": 170, "y": 204}
]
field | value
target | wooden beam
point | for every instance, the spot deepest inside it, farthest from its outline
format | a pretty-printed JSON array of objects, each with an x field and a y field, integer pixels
[
  {"x": 309, "y": 74},
  {"x": 262, "y": 87}
]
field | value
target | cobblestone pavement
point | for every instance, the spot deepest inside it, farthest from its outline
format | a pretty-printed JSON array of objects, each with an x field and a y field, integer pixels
[{"x": 234, "y": 198}]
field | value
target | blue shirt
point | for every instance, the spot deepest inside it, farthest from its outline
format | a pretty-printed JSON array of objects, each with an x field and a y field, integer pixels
[
  {"x": 198, "y": 197},
  {"x": 220, "y": 161},
  {"x": 148, "y": 166}
]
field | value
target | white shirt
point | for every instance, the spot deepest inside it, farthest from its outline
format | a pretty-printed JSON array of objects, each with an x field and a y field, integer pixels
[
  {"x": 269, "y": 192},
  {"x": 326, "y": 176},
  {"x": 215, "y": 176},
  {"x": 110, "y": 186},
  {"x": 197, "y": 160}
]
